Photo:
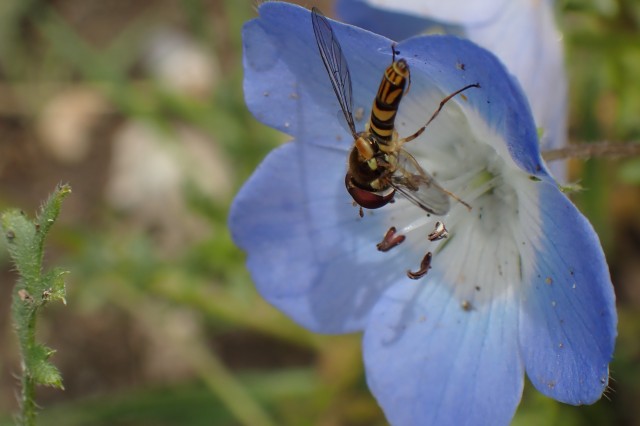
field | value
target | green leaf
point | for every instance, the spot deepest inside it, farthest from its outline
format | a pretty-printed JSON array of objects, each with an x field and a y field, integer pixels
[
  {"x": 41, "y": 370},
  {"x": 54, "y": 286},
  {"x": 21, "y": 242}
]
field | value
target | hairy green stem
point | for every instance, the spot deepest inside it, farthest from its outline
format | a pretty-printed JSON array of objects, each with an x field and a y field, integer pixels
[
  {"x": 34, "y": 289},
  {"x": 28, "y": 402}
]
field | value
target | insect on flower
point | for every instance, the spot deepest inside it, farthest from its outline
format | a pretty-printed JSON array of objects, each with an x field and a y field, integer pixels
[
  {"x": 482, "y": 315},
  {"x": 378, "y": 166}
]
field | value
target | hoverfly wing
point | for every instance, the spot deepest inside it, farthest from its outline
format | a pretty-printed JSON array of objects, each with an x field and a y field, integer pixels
[
  {"x": 336, "y": 65},
  {"x": 418, "y": 186}
]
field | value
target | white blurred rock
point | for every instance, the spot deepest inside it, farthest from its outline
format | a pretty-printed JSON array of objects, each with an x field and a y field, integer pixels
[
  {"x": 180, "y": 63},
  {"x": 169, "y": 333},
  {"x": 150, "y": 170},
  {"x": 66, "y": 122}
]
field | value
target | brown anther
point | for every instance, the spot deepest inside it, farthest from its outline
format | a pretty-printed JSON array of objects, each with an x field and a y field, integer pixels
[
  {"x": 439, "y": 232},
  {"x": 390, "y": 240},
  {"x": 425, "y": 265}
]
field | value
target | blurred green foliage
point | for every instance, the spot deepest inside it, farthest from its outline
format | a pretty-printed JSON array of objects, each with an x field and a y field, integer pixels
[{"x": 159, "y": 332}]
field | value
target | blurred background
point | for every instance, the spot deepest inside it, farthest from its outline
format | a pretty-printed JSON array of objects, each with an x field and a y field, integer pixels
[{"x": 138, "y": 105}]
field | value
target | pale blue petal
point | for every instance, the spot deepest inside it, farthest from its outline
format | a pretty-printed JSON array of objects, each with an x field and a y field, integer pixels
[
  {"x": 524, "y": 36},
  {"x": 389, "y": 23},
  {"x": 309, "y": 252},
  {"x": 568, "y": 318},
  {"x": 454, "y": 11},
  {"x": 286, "y": 85},
  {"x": 431, "y": 362},
  {"x": 450, "y": 63}
]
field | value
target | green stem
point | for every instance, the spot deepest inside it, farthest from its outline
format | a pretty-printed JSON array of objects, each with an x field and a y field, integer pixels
[
  {"x": 595, "y": 149},
  {"x": 234, "y": 395},
  {"x": 28, "y": 403}
]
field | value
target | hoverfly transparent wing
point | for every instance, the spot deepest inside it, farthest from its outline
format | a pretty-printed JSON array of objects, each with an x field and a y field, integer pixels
[
  {"x": 336, "y": 65},
  {"x": 418, "y": 186}
]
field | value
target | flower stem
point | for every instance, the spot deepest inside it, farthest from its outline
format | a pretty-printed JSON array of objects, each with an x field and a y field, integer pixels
[{"x": 588, "y": 150}]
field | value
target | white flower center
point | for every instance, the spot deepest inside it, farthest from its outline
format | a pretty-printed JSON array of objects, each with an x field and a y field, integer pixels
[{"x": 483, "y": 256}]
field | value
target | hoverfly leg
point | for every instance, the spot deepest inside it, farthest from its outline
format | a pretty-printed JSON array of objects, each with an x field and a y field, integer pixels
[
  {"x": 437, "y": 111},
  {"x": 360, "y": 212},
  {"x": 425, "y": 265},
  {"x": 458, "y": 199},
  {"x": 390, "y": 240}
]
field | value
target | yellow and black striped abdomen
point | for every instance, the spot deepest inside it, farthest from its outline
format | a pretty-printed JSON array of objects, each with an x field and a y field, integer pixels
[{"x": 387, "y": 101}]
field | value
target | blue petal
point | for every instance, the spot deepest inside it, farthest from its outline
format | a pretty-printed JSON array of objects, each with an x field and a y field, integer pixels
[
  {"x": 450, "y": 63},
  {"x": 429, "y": 361},
  {"x": 524, "y": 36},
  {"x": 455, "y": 11},
  {"x": 568, "y": 318},
  {"x": 286, "y": 85},
  {"x": 309, "y": 252},
  {"x": 391, "y": 24}
]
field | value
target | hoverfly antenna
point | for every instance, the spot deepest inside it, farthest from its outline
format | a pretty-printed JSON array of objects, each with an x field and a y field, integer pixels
[{"x": 394, "y": 51}]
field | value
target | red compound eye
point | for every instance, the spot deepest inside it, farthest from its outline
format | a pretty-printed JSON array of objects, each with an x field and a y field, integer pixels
[{"x": 368, "y": 199}]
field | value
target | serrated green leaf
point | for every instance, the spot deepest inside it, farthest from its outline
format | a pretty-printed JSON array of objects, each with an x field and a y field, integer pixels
[
  {"x": 46, "y": 374},
  {"x": 50, "y": 210},
  {"x": 54, "y": 286},
  {"x": 20, "y": 233},
  {"x": 41, "y": 370}
]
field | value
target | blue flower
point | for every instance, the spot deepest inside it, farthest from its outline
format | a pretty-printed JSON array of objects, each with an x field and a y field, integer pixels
[
  {"x": 522, "y": 34},
  {"x": 521, "y": 283}
]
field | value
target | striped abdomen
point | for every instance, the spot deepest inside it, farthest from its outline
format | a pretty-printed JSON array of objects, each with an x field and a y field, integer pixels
[{"x": 387, "y": 101}]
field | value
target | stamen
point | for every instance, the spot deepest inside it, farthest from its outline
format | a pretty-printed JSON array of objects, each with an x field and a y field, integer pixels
[
  {"x": 425, "y": 265},
  {"x": 390, "y": 240},
  {"x": 439, "y": 232}
]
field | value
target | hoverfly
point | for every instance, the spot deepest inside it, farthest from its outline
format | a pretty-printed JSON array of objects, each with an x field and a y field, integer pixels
[{"x": 378, "y": 166}]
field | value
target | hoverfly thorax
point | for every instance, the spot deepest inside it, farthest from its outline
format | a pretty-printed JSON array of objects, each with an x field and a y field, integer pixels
[{"x": 369, "y": 170}]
